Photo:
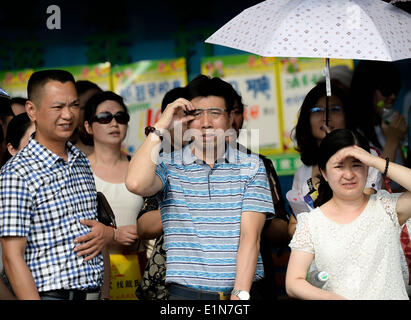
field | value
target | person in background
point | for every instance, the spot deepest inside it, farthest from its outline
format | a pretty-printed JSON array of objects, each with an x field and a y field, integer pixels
[
  {"x": 340, "y": 76},
  {"x": 5, "y": 292},
  {"x": 374, "y": 89},
  {"x": 6, "y": 114},
  {"x": 48, "y": 186},
  {"x": 106, "y": 119},
  {"x": 5, "y": 109},
  {"x": 81, "y": 139},
  {"x": 18, "y": 105},
  {"x": 19, "y": 130},
  {"x": 353, "y": 236},
  {"x": 311, "y": 130},
  {"x": 275, "y": 231}
]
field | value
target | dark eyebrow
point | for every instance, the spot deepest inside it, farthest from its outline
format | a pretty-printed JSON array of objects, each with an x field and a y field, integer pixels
[{"x": 63, "y": 103}]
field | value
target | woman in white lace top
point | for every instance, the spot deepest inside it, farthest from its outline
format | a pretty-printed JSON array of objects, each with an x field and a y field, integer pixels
[{"x": 351, "y": 235}]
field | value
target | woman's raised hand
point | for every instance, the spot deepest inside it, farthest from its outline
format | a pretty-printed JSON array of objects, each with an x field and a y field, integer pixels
[{"x": 358, "y": 153}]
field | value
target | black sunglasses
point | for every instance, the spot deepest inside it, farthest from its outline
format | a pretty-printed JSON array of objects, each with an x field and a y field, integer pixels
[{"x": 106, "y": 117}]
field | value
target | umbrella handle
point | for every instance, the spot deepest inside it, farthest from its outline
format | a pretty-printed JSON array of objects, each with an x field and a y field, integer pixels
[{"x": 328, "y": 88}]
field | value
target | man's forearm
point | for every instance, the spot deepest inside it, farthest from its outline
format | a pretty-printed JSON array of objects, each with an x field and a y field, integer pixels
[
  {"x": 141, "y": 171},
  {"x": 21, "y": 279},
  {"x": 246, "y": 263}
]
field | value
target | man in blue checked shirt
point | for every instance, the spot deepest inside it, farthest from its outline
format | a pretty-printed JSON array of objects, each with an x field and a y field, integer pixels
[
  {"x": 214, "y": 199},
  {"x": 48, "y": 202}
]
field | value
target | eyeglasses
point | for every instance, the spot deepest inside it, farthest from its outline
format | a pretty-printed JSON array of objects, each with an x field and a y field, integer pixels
[
  {"x": 321, "y": 110},
  {"x": 106, "y": 117},
  {"x": 214, "y": 113}
]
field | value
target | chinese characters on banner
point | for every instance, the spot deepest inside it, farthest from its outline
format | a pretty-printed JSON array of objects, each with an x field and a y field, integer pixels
[
  {"x": 143, "y": 85},
  {"x": 273, "y": 90},
  {"x": 125, "y": 276},
  {"x": 254, "y": 79}
]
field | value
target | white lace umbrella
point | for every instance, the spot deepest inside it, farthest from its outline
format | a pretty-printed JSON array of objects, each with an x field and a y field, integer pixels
[{"x": 344, "y": 29}]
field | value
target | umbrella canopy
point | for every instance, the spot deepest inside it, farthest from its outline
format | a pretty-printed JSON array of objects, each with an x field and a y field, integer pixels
[{"x": 344, "y": 29}]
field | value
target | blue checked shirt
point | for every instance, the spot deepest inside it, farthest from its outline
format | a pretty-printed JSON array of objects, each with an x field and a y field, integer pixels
[
  {"x": 43, "y": 198},
  {"x": 201, "y": 211}
]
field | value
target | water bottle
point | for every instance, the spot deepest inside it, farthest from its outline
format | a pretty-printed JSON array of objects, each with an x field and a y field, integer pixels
[
  {"x": 317, "y": 278},
  {"x": 387, "y": 115}
]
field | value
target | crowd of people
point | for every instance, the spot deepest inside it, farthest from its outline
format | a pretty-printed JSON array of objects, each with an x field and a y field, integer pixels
[{"x": 203, "y": 210}]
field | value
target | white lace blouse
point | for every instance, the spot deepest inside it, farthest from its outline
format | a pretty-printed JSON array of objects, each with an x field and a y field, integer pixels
[{"x": 361, "y": 257}]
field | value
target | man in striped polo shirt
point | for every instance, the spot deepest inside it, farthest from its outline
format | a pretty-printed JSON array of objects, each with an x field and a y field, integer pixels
[{"x": 214, "y": 199}]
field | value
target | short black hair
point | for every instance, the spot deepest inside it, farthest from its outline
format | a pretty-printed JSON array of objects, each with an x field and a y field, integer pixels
[
  {"x": 19, "y": 100},
  {"x": 39, "y": 78},
  {"x": 5, "y": 108},
  {"x": 204, "y": 86},
  {"x": 171, "y": 96},
  {"x": 238, "y": 100},
  {"x": 85, "y": 85},
  {"x": 16, "y": 129}
]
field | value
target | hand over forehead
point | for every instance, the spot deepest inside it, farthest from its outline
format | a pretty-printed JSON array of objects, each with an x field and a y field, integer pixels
[{"x": 352, "y": 151}]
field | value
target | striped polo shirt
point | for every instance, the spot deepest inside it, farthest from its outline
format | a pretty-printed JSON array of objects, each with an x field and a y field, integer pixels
[{"x": 201, "y": 211}]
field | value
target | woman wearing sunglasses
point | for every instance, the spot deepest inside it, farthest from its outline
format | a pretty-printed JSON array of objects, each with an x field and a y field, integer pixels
[
  {"x": 311, "y": 130},
  {"x": 106, "y": 119}
]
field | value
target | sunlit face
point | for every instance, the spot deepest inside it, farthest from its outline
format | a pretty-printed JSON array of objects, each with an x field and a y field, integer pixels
[
  {"x": 112, "y": 133},
  {"x": 210, "y": 128},
  {"x": 56, "y": 113},
  {"x": 336, "y": 117},
  {"x": 346, "y": 178}
]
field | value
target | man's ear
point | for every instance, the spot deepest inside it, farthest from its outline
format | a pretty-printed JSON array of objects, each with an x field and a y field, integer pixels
[
  {"x": 31, "y": 110},
  {"x": 88, "y": 128},
  {"x": 11, "y": 149},
  {"x": 231, "y": 119}
]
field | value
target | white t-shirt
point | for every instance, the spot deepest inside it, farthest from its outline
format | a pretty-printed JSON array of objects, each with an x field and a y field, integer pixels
[
  {"x": 125, "y": 205},
  {"x": 361, "y": 257}
]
